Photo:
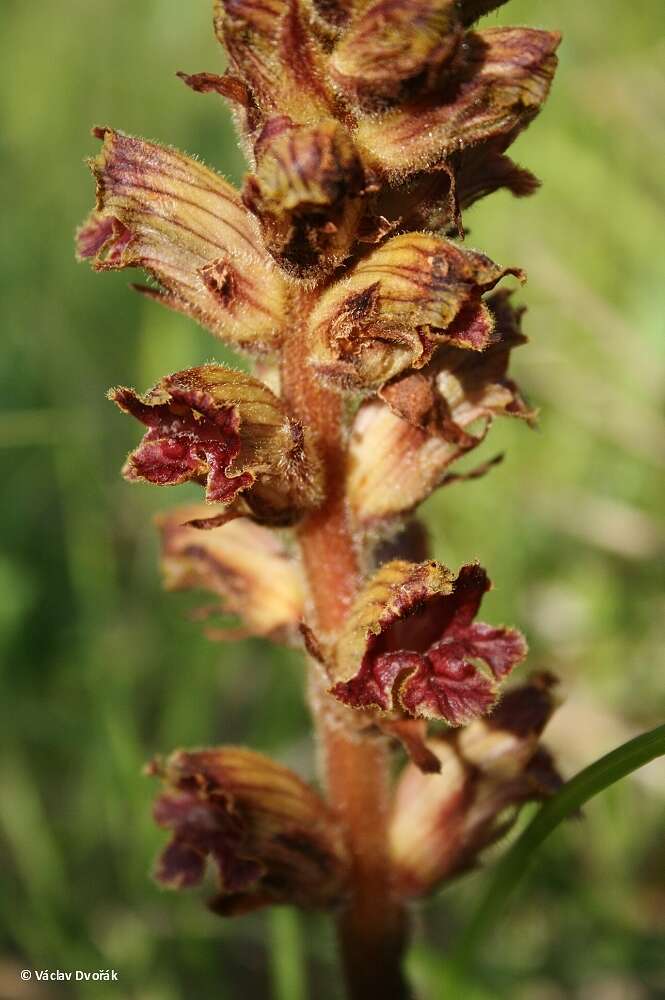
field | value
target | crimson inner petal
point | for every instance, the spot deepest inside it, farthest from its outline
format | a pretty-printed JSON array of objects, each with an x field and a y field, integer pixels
[{"x": 418, "y": 629}]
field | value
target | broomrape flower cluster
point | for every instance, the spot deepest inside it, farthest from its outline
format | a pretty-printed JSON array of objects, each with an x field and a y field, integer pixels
[{"x": 381, "y": 346}]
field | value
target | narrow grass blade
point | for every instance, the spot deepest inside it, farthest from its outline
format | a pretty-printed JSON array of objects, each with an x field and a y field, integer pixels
[
  {"x": 287, "y": 961},
  {"x": 567, "y": 801}
]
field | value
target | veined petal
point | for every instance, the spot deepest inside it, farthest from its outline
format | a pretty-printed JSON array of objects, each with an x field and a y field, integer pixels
[
  {"x": 410, "y": 645},
  {"x": 393, "y": 465},
  {"x": 229, "y": 432},
  {"x": 186, "y": 227},
  {"x": 412, "y": 293},
  {"x": 271, "y": 838},
  {"x": 271, "y": 48},
  {"x": 505, "y": 80},
  {"x": 246, "y": 566}
]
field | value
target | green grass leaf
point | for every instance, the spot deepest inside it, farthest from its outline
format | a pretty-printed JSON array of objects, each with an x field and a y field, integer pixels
[{"x": 568, "y": 800}]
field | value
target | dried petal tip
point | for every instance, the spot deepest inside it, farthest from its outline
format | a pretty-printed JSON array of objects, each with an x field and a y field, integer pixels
[
  {"x": 228, "y": 432},
  {"x": 307, "y": 194},
  {"x": 243, "y": 564},
  {"x": 401, "y": 301},
  {"x": 410, "y": 645},
  {"x": 270, "y": 837},
  {"x": 187, "y": 228},
  {"x": 442, "y": 822}
]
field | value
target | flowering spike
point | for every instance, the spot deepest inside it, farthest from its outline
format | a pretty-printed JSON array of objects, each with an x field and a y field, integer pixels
[
  {"x": 246, "y": 566},
  {"x": 229, "y": 432},
  {"x": 270, "y": 836},
  {"x": 410, "y": 642},
  {"x": 369, "y": 126},
  {"x": 183, "y": 224}
]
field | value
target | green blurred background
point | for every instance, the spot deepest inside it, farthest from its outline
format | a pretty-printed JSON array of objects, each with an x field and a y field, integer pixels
[{"x": 100, "y": 669}]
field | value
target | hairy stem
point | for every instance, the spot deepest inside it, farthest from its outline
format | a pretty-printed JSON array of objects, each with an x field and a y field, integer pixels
[{"x": 371, "y": 928}]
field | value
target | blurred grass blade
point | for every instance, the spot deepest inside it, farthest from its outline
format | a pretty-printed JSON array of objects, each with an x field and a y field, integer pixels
[
  {"x": 287, "y": 964},
  {"x": 567, "y": 801}
]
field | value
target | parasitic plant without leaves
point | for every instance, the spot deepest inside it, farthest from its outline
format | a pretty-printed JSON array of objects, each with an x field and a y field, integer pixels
[{"x": 381, "y": 346}]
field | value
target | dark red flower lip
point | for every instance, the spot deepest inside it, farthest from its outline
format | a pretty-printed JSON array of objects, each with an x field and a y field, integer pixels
[
  {"x": 419, "y": 656},
  {"x": 269, "y": 836},
  {"x": 188, "y": 438}
]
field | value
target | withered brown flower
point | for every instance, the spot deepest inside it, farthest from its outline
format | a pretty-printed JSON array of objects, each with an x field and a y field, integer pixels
[
  {"x": 403, "y": 299},
  {"x": 442, "y": 822},
  {"x": 404, "y": 441},
  {"x": 494, "y": 89},
  {"x": 246, "y": 566},
  {"x": 307, "y": 193},
  {"x": 271, "y": 837},
  {"x": 229, "y": 432}
]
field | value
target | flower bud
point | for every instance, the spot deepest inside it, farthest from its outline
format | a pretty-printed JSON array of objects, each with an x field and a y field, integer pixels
[
  {"x": 410, "y": 645},
  {"x": 271, "y": 838},
  {"x": 403, "y": 444},
  {"x": 392, "y": 42},
  {"x": 228, "y": 432},
  {"x": 307, "y": 195},
  {"x": 187, "y": 228},
  {"x": 245, "y": 565},
  {"x": 441, "y": 822},
  {"x": 402, "y": 300}
]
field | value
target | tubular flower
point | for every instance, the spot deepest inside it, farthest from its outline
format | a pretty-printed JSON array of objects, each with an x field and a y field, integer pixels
[
  {"x": 496, "y": 87},
  {"x": 404, "y": 442},
  {"x": 271, "y": 838},
  {"x": 442, "y": 822},
  {"x": 229, "y": 432},
  {"x": 188, "y": 229},
  {"x": 397, "y": 305},
  {"x": 410, "y": 645},
  {"x": 246, "y": 566},
  {"x": 307, "y": 194}
]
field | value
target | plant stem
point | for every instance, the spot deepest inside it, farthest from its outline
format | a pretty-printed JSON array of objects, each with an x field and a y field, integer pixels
[{"x": 371, "y": 927}]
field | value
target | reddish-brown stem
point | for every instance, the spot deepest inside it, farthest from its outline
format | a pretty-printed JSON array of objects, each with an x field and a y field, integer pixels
[{"x": 371, "y": 928}]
